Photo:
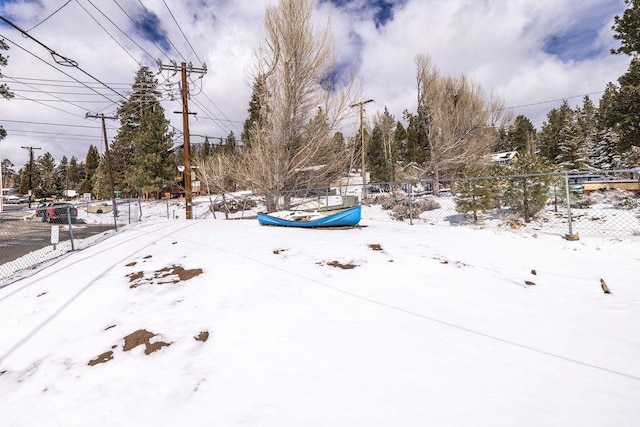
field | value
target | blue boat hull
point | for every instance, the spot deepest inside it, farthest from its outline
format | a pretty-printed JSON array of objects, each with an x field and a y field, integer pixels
[{"x": 340, "y": 218}]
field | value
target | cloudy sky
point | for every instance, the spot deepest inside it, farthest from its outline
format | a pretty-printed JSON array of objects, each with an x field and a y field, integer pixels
[{"x": 531, "y": 53}]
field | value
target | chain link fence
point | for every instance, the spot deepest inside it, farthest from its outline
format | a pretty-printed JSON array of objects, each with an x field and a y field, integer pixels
[
  {"x": 591, "y": 203},
  {"x": 47, "y": 230},
  {"x": 594, "y": 203}
]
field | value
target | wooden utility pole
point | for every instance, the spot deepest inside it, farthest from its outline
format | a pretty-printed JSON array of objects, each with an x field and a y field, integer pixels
[
  {"x": 30, "y": 149},
  {"x": 106, "y": 148},
  {"x": 185, "y": 70},
  {"x": 360, "y": 105}
]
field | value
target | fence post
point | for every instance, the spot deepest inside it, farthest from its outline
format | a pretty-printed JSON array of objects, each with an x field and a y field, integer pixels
[
  {"x": 566, "y": 186},
  {"x": 167, "y": 208},
  {"x": 140, "y": 207},
  {"x": 410, "y": 203},
  {"x": 70, "y": 227},
  {"x": 129, "y": 210},
  {"x": 115, "y": 214}
]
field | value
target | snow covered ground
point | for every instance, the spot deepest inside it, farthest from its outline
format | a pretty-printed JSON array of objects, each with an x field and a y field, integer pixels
[{"x": 204, "y": 322}]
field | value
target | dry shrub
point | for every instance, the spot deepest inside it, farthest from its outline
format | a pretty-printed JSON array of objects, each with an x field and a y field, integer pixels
[{"x": 399, "y": 207}]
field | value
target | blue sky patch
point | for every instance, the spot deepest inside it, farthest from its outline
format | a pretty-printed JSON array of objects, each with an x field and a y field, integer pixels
[
  {"x": 577, "y": 42},
  {"x": 380, "y": 11},
  {"x": 149, "y": 28}
]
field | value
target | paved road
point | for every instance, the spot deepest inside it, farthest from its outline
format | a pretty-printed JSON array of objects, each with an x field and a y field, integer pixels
[{"x": 18, "y": 237}]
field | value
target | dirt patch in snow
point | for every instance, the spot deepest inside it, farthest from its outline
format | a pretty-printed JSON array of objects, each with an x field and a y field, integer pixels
[
  {"x": 143, "y": 337},
  {"x": 102, "y": 358},
  {"x": 337, "y": 264},
  {"x": 202, "y": 336},
  {"x": 172, "y": 274},
  {"x": 375, "y": 247}
]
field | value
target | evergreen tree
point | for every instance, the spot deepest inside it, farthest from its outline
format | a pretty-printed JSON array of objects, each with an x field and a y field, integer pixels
[
  {"x": 475, "y": 194},
  {"x": 254, "y": 121},
  {"x": 63, "y": 173},
  {"x": 572, "y": 150},
  {"x": 527, "y": 195},
  {"x": 206, "y": 148},
  {"x": 27, "y": 175},
  {"x": 230, "y": 142},
  {"x": 74, "y": 173},
  {"x": 415, "y": 147},
  {"x": 627, "y": 29},
  {"x": 376, "y": 162},
  {"x": 551, "y": 133},
  {"x": 90, "y": 166},
  {"x": 4, "y": 89},
  {"x": 604, "y": 153},
  {"x": 627, "y": 108},
  {"x": 153, "y": 162},
  {"x": 49, "y": 180},
  {"x": 400, "y": 140},
  {"x": 8, "y": 174},
  {"x": 521, "y": 136}
]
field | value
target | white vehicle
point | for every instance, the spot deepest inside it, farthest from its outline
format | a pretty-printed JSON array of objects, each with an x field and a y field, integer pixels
[{"x": 14, "y": 200}]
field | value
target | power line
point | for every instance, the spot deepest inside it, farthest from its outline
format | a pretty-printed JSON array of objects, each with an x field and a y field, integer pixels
[
  {"x": 59, "y": 59},
  {"x": 57, "y": 10},
  {"x": 64, "y": 81},
  {"x": 66, "y": 74},
  {"x": 54, "y": 134},
  {"x": 108, "y": 33},
  {"x": 138, "y": 25},
  {"x": 164, "y": 33},
  {"x": 48, "y": 124},
  {"x": 183, "y": 35}
]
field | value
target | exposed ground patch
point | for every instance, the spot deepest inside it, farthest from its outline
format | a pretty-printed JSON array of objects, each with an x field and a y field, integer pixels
[
  {"x": 337, "y": 264},
  {"x": 202, "y": 336},
  {"x": 375, "y": 247},
  {"x": 172, "y": 274},
  {"x": 141, "y": 337}
]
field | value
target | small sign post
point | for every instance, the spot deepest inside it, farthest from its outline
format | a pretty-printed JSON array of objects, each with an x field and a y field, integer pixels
[{"x": 55, "y": 235}]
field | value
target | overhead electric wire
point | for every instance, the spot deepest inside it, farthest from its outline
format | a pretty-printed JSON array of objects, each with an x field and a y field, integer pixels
[
  {"x": 65, "y": 81},
  {"x": 211, "y": 116},
  {"x": 46, "y": 93},
  {"x": 109, "y": 34},
  {"x": 67, "y": 74},
  {"x": 56, "y": 108},
  {"x": 183, "y": 35},
  {"x": 57, "y": 10},
  {"x": 65, "y": 61},
  {"x": 49, "y": 124},
  {"x": 163, "y": 33},
  {"x": 138, "y": 24}
]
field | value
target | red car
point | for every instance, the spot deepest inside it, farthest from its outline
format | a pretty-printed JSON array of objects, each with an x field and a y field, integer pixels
[{"x": 57, "y": 212}]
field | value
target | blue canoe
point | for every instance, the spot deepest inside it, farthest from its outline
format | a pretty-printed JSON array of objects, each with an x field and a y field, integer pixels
[{"x": 345, "y": 217}]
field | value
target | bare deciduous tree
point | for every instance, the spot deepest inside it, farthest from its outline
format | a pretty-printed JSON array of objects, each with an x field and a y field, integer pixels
[
  {"x": 217, "y": 174},
  {"x": 303, "y": 100},
  {"x": 458, "y": 119}
]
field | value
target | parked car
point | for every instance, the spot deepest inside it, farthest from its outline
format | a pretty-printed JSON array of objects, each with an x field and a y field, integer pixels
[
  {"x": 14, "y": 200},
  {"x": 41, "y": 208},
  {"x": 57, "y": 212}
]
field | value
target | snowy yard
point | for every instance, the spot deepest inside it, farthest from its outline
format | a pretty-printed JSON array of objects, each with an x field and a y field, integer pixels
[{"x": 199, "y": 323}]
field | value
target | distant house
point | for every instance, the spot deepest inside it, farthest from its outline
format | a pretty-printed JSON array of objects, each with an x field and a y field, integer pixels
[{"x": 506, "y": 157}]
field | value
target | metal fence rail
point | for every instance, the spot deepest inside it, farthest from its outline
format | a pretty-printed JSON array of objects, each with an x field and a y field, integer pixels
[
  {"x": 29, "y": 237},
  {"x": 568, "y": 207}
]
